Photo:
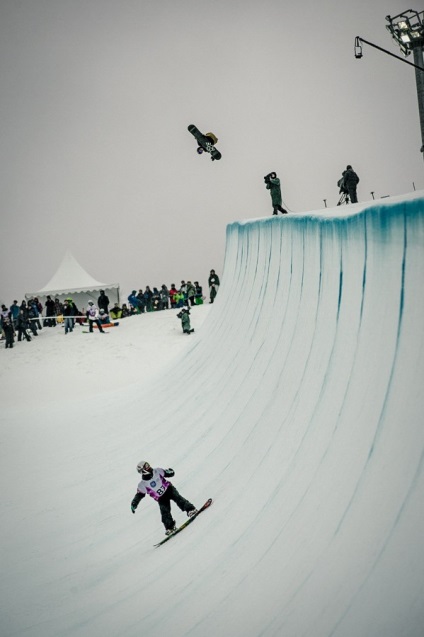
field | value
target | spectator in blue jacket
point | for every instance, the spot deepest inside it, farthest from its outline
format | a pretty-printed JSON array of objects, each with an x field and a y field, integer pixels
[
  {"x": 35, "y": 313},
  {"x": 14, "y": 312},
  {"x": 134, "y": 301}
]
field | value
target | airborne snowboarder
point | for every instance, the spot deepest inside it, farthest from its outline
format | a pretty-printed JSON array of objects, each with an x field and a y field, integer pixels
[{"x": 205, "y": 142}]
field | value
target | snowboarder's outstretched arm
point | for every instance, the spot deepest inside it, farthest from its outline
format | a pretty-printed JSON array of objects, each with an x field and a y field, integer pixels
[{"x": 136, "y": 500}]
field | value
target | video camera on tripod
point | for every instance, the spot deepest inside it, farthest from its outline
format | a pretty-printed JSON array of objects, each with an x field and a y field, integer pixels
[{"x": 343, "y": 191}]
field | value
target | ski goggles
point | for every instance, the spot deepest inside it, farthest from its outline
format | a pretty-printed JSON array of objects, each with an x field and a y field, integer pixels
[{"x": 145, "y": 468}]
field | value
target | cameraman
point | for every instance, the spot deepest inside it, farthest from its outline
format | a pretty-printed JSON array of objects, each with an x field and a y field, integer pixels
[
  {"x": 348, "y": 183},
  {"x": 273, "y": 184}
]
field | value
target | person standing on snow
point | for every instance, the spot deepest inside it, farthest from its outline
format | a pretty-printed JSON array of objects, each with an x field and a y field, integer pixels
[
  {"x": 164, "y": 297},
  {"x": 155, "y": 484},
  {"x": 213, "y": 283},
  {"x": 198, "y": 299},
  {"x": 9, "y": 332},
  {"x": 173, "y": 292},
  {"x": 50, "y": 312},
  {"x": 68, "y": 313},
  {"x": 93, "y": 317},
  {"x": 103, "y": 301},
  {"x": 14, "y": 309},
  {"x": 35, "y": 313},
  {"x": 148, "y": 294},
  {"x": 350, "y": 181},
  {"x": 273, "y": 185},
  {"x": 191, "y": 292},
  {"x": 22, "y": 325}
]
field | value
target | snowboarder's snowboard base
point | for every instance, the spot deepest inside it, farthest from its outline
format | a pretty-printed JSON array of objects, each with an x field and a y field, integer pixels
[
  {"x": 206, "y": 142},
  {"x": 189, "y": 521}
]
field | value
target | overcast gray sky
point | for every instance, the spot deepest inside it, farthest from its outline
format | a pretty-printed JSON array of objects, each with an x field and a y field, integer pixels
[{"x": 96, "y": 97}]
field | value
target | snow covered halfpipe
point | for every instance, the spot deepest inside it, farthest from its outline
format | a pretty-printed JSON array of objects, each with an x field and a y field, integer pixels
[
  {"x": 304, "y": 401},
  {"x": 297, "y": 406}
]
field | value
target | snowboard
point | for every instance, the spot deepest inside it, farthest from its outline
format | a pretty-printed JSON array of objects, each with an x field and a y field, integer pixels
[
  {"x": 189, "y": 521},
  {"x": 114, "y": 324},
  {"x": 204, "y": 142}
]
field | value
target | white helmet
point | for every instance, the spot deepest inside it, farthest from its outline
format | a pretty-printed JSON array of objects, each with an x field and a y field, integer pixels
[{"x": 144, "y": 467}]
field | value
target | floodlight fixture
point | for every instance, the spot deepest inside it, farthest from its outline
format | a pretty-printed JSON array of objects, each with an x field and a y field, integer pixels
[
  {"x": 408, "y": 31},
  {"x": 358, "y": 48}
]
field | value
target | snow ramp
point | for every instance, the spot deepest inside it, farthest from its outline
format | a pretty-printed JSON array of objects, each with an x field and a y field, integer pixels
[
  {"x": 304, "y": 419},
  {"x": 297, "y": 406}
]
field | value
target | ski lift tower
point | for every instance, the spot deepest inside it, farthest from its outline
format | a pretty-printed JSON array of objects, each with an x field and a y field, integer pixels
[{"x": 407, "y": 29}]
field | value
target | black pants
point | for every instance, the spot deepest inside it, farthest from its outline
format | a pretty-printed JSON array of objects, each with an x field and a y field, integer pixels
[
  {"x": 22, "y": 332},
  {"x": 353, "y": 195},
  {"x": 165, "y": 506},
  {"x": 97, "y": 322},
  {"x": 9, "y": 339}
]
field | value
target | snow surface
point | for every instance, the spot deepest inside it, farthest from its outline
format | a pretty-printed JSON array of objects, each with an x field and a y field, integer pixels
[{"x": 297, "y": 405}]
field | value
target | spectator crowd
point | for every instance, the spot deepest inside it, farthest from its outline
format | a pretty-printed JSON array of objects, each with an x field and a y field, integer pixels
[{"x": 24, "y": 321}]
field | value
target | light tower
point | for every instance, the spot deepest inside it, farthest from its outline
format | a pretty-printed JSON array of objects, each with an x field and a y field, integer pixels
[{"x": 407, "y": 29}]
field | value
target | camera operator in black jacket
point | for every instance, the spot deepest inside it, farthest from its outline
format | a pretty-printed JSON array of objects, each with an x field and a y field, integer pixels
[{"x": 349, "y": 182}]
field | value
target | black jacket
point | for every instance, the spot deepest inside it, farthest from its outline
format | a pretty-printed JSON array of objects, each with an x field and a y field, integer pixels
[
  {"x": 350, "y": 179},
  {"x": 213, "y": 280},
  {"x": 103, "y": 302}
]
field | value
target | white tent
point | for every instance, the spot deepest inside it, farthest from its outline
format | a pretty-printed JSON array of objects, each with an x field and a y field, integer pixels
[{"x": 71, "y": 280}]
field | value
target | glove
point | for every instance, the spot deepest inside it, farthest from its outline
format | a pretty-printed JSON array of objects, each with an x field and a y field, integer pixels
[{"x": 133, "y": 508}]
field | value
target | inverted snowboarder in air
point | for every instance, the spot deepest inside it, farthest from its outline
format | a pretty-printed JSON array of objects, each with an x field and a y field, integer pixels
[
  {"x": 206, "y": 142},
  {"x": 154, "y": 483}
]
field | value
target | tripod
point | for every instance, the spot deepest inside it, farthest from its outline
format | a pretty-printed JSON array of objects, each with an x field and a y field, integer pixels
[{"x": 344, "y": 198}]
